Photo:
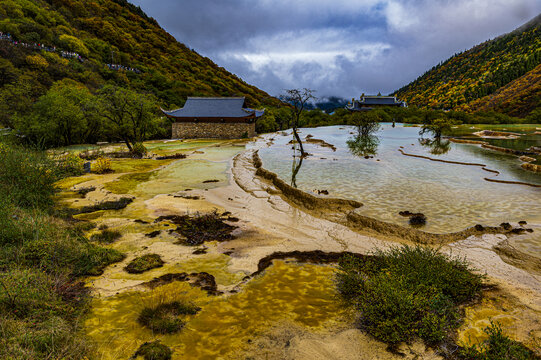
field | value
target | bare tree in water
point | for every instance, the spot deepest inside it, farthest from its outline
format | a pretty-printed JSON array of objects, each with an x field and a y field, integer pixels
[{"x": 298, "y": 98}]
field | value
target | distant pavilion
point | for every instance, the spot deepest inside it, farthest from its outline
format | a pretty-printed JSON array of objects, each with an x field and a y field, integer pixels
[
  {"x": 213, "y": 118},
  {"x": 370, "y": 102}
]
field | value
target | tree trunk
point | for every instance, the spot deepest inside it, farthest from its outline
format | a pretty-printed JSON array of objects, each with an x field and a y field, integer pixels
[
  {"x": 303, "y": 154},
  {"x": 128, "y": 145}
]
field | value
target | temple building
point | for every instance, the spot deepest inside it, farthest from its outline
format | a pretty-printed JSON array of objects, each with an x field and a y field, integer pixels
[
  {"x": 213, "y": 118},
  {"x": 369, "y": 102}
]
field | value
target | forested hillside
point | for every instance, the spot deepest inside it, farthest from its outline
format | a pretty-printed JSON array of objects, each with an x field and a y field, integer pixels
[
  {"x": 98, "y": 42},
  {"x": 483, "y": 71},
  {"x": 518, "y": 98}
]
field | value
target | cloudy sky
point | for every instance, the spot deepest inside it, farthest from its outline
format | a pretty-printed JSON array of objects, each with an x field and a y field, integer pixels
[{"x": 337, "y": 47}]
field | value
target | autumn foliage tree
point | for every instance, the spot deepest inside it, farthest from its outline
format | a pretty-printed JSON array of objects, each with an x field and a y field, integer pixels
[{"x": 129, "y": 116}]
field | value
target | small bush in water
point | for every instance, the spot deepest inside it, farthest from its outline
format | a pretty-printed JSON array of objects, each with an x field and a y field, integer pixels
[
  {"x": 153, "y": 351},
  {"x": 102, "y": 165}
]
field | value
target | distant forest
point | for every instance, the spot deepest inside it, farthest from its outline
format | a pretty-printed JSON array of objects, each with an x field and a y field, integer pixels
[{"x": 502, "y": 74}]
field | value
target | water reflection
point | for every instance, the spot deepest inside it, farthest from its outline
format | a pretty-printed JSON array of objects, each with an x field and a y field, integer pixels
[
  {"x": 297, "y": 163},
  {"x": 363, "y": 146},
  {"x": 436, "y": 146}
]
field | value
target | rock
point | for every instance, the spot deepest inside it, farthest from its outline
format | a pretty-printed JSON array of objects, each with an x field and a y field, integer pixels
[{"x": 210, "y": 181}]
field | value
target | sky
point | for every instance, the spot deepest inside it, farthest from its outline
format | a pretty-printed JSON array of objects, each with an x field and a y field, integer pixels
[{"x": 337, "y": 47}]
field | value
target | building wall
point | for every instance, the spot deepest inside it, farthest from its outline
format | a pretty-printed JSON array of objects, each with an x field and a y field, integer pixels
[{"x": 195, "y": 130}]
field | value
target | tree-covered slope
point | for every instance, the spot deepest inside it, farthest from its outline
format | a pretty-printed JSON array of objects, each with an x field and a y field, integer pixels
[
  {"x": 483, "y": 71},
  {"x": 518, "y": 98},
  {"x": 50, "y": 40}
]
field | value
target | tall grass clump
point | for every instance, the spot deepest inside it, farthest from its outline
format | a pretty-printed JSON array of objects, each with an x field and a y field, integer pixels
[
  {"x": 408, "y": 292},
  {"x": 497, "y": 347},
  {"x": 41, "y": 258},
  {"x": 27, "y": 177}
]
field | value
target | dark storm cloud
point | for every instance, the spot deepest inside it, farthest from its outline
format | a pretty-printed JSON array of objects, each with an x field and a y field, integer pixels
[{"x": 339, "y": 47}]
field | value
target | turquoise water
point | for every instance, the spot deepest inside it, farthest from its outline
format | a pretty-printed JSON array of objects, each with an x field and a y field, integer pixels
[{"x": 453, "y": 197}]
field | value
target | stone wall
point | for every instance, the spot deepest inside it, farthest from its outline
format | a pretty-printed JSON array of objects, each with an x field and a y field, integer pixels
[{"x": 189, "y": 130}]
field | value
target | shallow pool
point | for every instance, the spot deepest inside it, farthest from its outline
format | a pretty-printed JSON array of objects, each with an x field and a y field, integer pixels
[{"x": 452, "y": 196}]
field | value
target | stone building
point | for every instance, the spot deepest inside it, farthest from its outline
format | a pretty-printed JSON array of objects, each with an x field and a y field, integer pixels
[
  {"x": 213, "y": 118},
  {"x": 369, "y": 102}
]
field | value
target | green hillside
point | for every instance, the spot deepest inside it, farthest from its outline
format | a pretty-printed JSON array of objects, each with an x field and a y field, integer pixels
[
  {"x": 51, "y": 40},
  {"x": 482, "y": 71}
]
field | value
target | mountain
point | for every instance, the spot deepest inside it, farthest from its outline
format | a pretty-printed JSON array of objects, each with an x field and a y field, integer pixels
[
  {"x": 500, "y": 74},
  {"x": 98, "y": 41}
]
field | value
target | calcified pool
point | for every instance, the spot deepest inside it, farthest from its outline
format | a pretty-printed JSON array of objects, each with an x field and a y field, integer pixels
[{"x": 375, "y": 172}]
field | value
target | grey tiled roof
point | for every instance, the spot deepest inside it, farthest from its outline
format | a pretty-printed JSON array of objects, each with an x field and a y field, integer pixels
[
  {"x": 213, "y": 107},
  {"x": 379, "y": 100},
  {"x": 366, "y": 101}
]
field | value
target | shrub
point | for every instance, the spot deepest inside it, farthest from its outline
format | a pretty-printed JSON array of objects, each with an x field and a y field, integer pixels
[
  {"x": 106, "y": 236},
  {"x": 165, "y": 318},
  {"x": 408, "y": 291},
  {"x": 144, "y": 263},
  {"x": 139, "y": 150},
  {"x": 497, "y": 347},
  {"x": 102, "y": 165},
  {"x": 71, "y": 165}
]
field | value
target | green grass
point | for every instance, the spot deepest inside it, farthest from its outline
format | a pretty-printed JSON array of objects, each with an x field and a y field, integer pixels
[
  {"x": 41, "y": 258},
  {"x": 497, "y": 347},
  {"x": 106, "y": 236},
  {"x": 144, "y": 263},
  {"x": 408, "y": 292}
]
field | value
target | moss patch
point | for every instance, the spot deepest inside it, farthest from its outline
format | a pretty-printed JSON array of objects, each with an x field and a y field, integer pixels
[
  {"x": 144, "y": 263},
  {"x": 128, "y": 182},
  {"x": 137, "y": 165},
  {"x": 153, "y": 351},
  {"x": 166, "y": 318},
  {"x": 201, "y": 227}
]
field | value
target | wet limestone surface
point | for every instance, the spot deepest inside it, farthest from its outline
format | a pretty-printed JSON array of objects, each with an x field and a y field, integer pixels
[
  {"x": 303, "y": 294},
  {"x": 300, "y": 293}
]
